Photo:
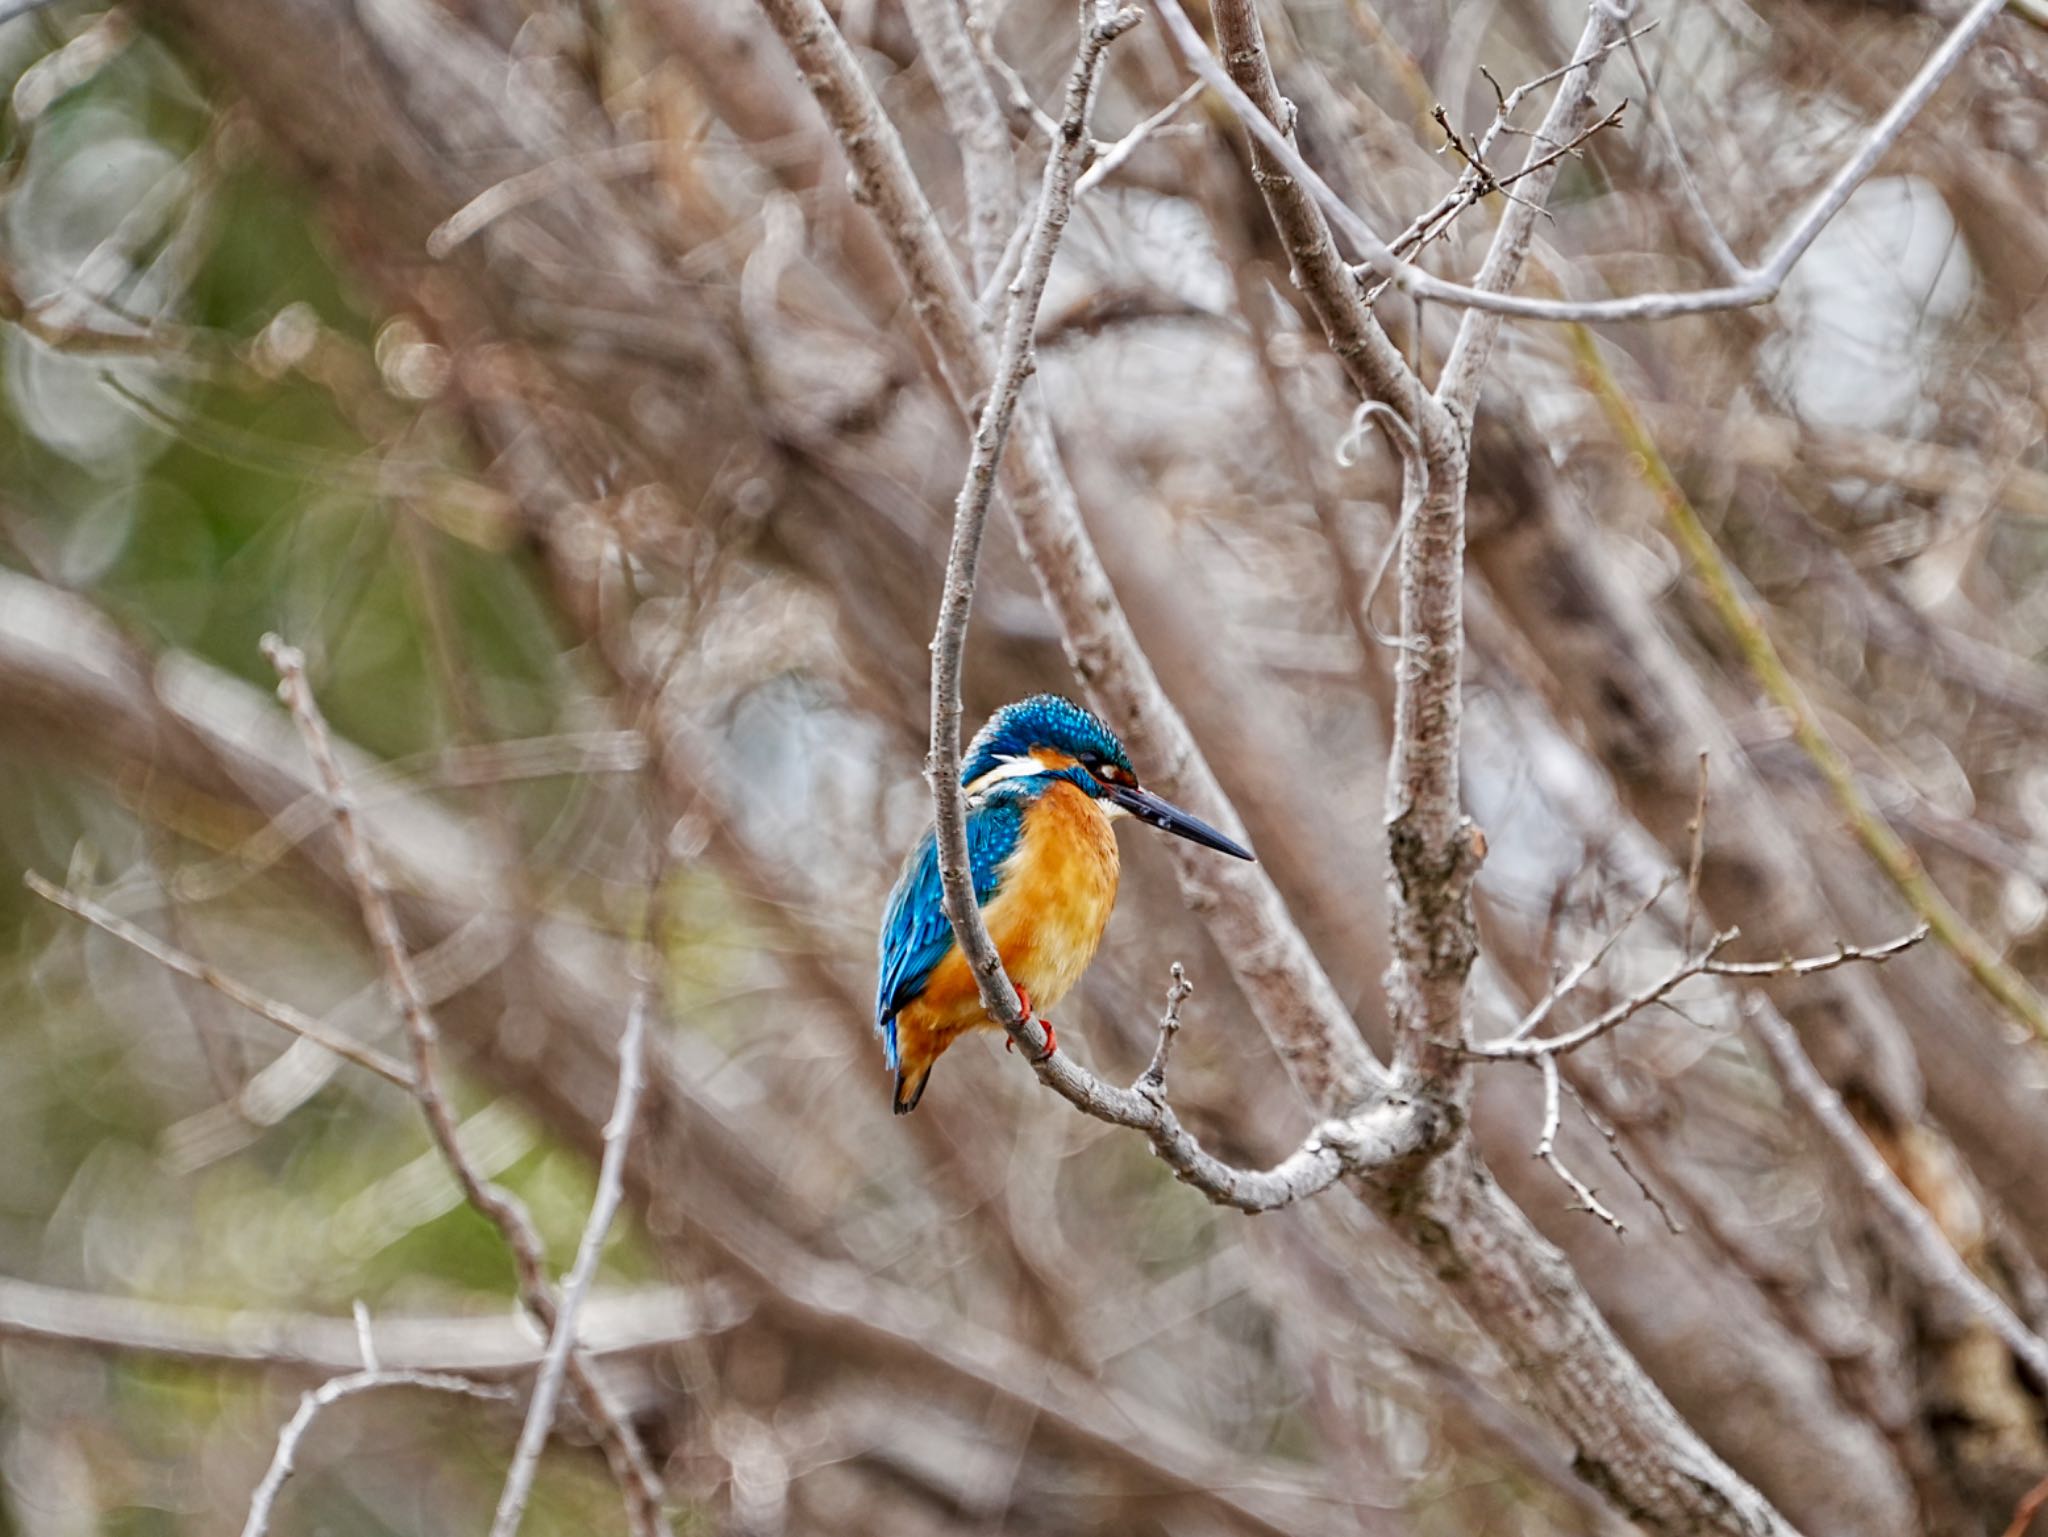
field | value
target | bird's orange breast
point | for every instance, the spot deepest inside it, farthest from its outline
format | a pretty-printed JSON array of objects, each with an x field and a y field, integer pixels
[{"x": 1048, "y": 913}]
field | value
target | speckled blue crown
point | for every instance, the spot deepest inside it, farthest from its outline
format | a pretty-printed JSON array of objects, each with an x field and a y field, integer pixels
[{"x": 1043, "y": 720}]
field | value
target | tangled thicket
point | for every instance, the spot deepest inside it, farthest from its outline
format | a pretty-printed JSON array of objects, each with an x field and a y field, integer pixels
[{"x": 582, "y": 389}]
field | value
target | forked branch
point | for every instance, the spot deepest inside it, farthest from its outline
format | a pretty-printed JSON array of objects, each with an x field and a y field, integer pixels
[
  {"x": 331, "y": 1392},
  {"x": 1757, "y": 285},
  {"x": 1524, "y": 1047}
]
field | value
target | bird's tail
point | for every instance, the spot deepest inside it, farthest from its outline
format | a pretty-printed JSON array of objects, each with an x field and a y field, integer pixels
[{"x": 910, "y": 1087}]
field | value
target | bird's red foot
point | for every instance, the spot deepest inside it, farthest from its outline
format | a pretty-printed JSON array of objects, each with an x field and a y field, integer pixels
[{"x": 1051, "y": 1040}]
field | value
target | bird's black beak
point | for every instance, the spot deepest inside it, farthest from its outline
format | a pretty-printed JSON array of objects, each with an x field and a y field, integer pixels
[{"x": 1153, "y": 811}]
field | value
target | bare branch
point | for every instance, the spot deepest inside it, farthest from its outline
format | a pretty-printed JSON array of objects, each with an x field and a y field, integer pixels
[
  {"x": 611, "y": 1189},
  {"x": 283, "y": 1015},
  {"x": 616, "y": 1324},
  {"x": 333, "y": 1391},
  {"x": 1517, "y": 1048},
  {"x": 366, "y": 1336},
  {"x": 1569, "y": 116},
  {"x": 1704, "y": 230},
  {"x": 1369, "y": 357},
  {"x": 1569, "y": 982},
  {"x": 1374, "y": 1138},
  {"x": 1546, "y": 1149},
  {"x": 1110, "y": 160},
  {"x": 977, "y": 123}
]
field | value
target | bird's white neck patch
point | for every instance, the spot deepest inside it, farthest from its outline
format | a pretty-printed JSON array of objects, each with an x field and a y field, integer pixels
[{"x": 1025, "y": 767}]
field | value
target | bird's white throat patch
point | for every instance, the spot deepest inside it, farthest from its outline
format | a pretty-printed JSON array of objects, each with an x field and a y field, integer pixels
[{"x": 1021, "y": 767}]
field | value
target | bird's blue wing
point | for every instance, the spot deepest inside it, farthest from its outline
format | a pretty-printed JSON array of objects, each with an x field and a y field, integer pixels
[{"x": 915, "y": 934}]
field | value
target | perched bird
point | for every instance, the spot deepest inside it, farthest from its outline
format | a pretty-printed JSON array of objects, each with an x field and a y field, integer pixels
[{"x": 1044, "y": 781}]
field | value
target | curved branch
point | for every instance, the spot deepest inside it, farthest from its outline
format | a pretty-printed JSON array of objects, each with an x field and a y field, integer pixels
[
  {"x": 970, "y": 522},
  {"x": 331, "y": 1392}
]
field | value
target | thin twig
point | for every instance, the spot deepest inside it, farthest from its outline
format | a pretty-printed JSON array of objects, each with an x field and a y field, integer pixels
[
  {"x": 1414, "y": 483},
  {"x": 500, "y": 1207},
  {"x": 1696, "y": 859},
  {"x": 1546, "y": 1149},
  {"x": 1569, "y": 112},
  {"x": 611, "y": 1189},
  {"x": 1434, "y": 222},
  {"x": 1473, "y": 185},
  {"x": 332, "y": 1391},
  {"x": 1569, "y": 982},
  {"x": 283, "y": 1015},
  {"x": 1759, "y": 284},
  {"x": 1516, "y": 1048},
  {"x": 1892, "y": 854},
  {"x": 1611, "y": 1135},
  {"x": 1111, "y": 159},
  {"x": 1178, "y": 990}
]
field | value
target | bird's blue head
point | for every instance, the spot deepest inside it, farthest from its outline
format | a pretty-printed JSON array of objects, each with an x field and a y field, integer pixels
[
  {"x": 1046, "y": 737},
  {"x": 1044, "y": 729}
]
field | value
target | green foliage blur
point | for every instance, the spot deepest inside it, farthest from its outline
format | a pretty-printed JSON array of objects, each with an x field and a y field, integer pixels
[{"x": 246, "y": 470}]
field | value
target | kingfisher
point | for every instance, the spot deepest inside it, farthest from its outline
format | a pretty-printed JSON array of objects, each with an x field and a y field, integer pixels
[{"x": 1045, "y": 780}]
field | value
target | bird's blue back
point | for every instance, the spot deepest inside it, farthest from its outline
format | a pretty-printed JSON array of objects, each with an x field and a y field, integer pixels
[{"x": 915, "y": 933}]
